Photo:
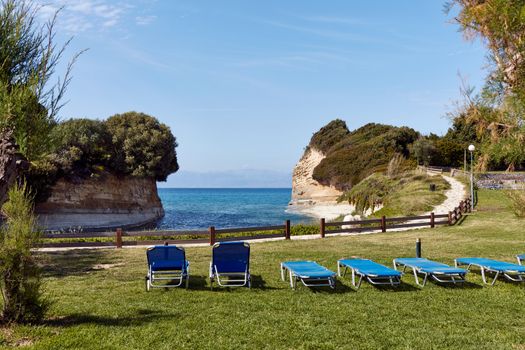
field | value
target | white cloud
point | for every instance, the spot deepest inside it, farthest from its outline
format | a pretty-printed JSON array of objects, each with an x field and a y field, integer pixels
[
  {"x": 144, "y": 20},
  {"x": 82, "y": 15}
]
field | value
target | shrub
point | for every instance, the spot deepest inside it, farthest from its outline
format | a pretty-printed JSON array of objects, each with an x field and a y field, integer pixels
[
  {"x": 20, "y": 274},
  {"x": 142, "y": 146},
  {"x": 329, "y": 135},
  {"x": 517, "y": 200},
  {"x": 369, "y": 193},
  {"x": 361, "y": 153}
]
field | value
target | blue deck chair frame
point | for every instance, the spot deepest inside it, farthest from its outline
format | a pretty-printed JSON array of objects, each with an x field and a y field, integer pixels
[
  {"x": 167, "y": 263},
  {"x": 437, "y": 271},
  {"x": 373, "y": 272},
  {"x": 310, "y": 273},
  {"x": 520, "y": 258},
  {"x": 512, "y": 272},
  {"x": 230, "y": 264}
]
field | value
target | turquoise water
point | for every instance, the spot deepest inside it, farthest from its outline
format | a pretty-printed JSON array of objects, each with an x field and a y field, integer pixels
[{"x": 199, "y": 208}]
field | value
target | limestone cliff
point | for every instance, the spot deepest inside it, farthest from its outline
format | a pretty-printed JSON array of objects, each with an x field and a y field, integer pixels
[
  {"x": 100, "y": 202},
  {"x": 305, "y": 189}
]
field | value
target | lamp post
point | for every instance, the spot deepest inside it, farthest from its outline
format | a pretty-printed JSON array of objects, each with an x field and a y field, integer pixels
[{"x": 471, "y": 149}]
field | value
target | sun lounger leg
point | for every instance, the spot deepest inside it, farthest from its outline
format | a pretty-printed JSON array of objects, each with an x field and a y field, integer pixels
[
  {"x": 282, "y": 273},
  {"x": 495, "y": 278}
]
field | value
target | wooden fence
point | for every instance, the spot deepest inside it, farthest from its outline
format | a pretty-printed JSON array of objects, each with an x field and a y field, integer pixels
[{"x": 120, "y": 238}]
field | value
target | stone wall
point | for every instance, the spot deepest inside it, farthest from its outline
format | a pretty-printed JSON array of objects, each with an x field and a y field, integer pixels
[
  {"x": 104, "y": 201},
  {"x": 501, "y": 180}
]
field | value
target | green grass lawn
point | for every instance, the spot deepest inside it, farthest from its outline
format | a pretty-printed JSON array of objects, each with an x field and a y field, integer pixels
[{"x": 97, "y": 308}]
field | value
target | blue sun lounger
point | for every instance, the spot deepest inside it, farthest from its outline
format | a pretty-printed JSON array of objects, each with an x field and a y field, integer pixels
[
  {"x": 310, "y": 273},
  {"x": 166, "y": 263},
  {"x": 520, "y": 258},
  {"x": 439, "y": 272},
  {"x": 512, "y": 272},
  {"x": 374, "y": 273},
  {"x": 230, "y": 264}
]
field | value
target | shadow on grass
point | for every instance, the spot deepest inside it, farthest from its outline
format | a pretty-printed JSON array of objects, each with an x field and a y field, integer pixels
[
  {"x": 74, "y": 262},
  {"x": 141, "y": 317},
  {"x": 490, "y": 278},
  {"x": 402, "y": 287},
  {"x": 464, "y": 285},
  {"x": 203, "y": 283}
]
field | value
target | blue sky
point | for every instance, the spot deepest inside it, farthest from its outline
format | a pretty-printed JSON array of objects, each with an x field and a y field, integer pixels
[{"x": 244, "y": 84}]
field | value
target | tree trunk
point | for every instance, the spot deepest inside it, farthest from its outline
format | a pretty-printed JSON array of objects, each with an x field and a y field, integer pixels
[{"x": 11, "y": 163}]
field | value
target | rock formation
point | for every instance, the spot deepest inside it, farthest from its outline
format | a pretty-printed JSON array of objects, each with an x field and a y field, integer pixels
[
  {"x": 305, "y": 189},
  {"x": 103, "y": 201}
]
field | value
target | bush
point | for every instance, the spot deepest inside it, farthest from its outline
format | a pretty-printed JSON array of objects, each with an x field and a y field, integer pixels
[
  {"x": 329, "y": 135},
  {"x": 369, "y": 193},
  {"x": 517, "y": 199},
  {"x": 363, "y": 152},
  {"x": 142, "y": 146},
  {"x": 20, "y": 275}
]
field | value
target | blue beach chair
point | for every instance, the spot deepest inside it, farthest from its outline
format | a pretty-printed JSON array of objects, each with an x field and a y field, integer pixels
[
  {"x": 374, "y": 273},
  {"x": 230, "y": 264},
  {"x": 512, "y": 272},
  {"x": 166, "y": 263},
  {"x": 520, "y": 258},
  {"x": 439, "y": 272},
  {"x": 310, "y": 273}
]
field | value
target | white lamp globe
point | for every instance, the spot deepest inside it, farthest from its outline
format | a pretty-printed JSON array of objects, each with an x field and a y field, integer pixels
[{"x": 471, "y": 148}]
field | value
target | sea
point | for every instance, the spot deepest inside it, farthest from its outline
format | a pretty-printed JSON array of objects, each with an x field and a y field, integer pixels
[{"x": 200, "y": 208}]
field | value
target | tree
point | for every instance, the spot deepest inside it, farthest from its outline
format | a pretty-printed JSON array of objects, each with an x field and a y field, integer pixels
[
  {"x": 20, "y": 274},
  {"x": 142, "y": 146},
  {"x": 29, "y": 101},
  {"x": 498, "y": 111},
  {"x": 424, "y": 150}
]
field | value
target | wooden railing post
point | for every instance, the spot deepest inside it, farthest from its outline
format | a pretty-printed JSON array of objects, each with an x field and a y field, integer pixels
[
  {"x": 211, "y": 230},
  {"x": 322, "y": 227},
  {"x": 287, "y": 230},
  {"x": 118, "y": 238},
  {"x": 383, "y": 223},
  {"x": 450, "y": 218},
  {"x": 432, "y": 220}
]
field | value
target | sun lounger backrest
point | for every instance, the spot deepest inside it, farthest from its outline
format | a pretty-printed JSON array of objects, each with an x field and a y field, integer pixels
[
  {"x": 231, "y": 256},
  {"x": 166, "y": 253}
]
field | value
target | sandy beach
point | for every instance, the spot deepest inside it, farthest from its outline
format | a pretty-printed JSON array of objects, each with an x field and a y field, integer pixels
[{"x": 328, "y": 210}]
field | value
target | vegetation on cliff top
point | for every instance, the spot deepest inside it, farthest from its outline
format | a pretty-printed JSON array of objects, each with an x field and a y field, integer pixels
[
  {"x": 352, "y": 156},
  {"x": 131, "y": 143}
]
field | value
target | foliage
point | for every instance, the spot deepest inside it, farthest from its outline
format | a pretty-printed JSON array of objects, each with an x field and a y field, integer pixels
[
  {"x": 302, "y": 229},
  {"x": 20, "y": 274},
  {"x": 395, "y": 166},
  {"x": 29, "y": 101},
  {"x": 129, "y": 144},
  {"x": 329, "y": 135},
  {"x": 498, "y": 111},
  {"x": 408, "y": 193},
  {"x": 423, "y": 150},
  {"x": 362, "y": 152},
  {"x": 369, "y": 193},
  {"x": 517, "y": 201},
  {"x": 142, "y": 146}
]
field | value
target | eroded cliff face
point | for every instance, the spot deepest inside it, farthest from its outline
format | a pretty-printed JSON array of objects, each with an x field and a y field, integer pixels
[
  {"x": 104, "y": 201},
  {"x": 306, "y": 190}
]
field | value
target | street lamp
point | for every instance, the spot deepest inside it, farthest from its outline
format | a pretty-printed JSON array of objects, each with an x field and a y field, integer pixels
[{"x": 471, "y": 149}]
